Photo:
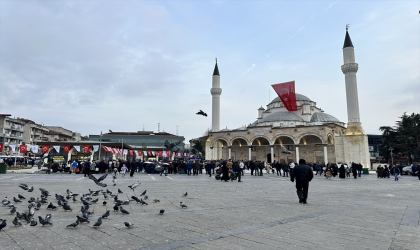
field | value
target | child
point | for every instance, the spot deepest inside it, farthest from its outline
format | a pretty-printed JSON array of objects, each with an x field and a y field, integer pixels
[
  {"x": 123, "y": 170},
  {"x": 114, "y": 176},
  {"x": 348, "y": 172}
]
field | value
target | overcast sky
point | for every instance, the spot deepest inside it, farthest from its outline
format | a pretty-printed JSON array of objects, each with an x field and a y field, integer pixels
[{"x": 90, "y": 66}]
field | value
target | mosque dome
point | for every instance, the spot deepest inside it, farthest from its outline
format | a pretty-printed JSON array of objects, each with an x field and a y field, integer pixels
[
  {"x": 299, "y": 97},
  {"x": 323, "y": 117},
  {"x": 281, "y": 116}
]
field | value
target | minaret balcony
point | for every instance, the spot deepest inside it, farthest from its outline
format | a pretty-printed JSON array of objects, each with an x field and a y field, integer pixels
[
  {"x": 216, "y": 91},
  {"x": 349, "y": 67}
]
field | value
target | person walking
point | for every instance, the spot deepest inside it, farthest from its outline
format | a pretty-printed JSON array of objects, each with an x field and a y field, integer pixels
[
  {"x": 237, "y": 170},
  {"x": 303, "y": 175},
  {"x": 285, "y": 168},
  {"x": 197, "y": 167},
  {"x": 354, "y": 170},
  {"x": 396, "y": 172},
  {"x": 133, "y": 167},
  {"x": 190, "y": 165},
  {"x": 241, "y": 165},
  {"x": 73, "y": 166},
  {"x": 86, "y": 167}
]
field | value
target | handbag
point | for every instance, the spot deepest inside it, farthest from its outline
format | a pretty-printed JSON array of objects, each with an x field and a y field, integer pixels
[{"x": 96, "y": 169}]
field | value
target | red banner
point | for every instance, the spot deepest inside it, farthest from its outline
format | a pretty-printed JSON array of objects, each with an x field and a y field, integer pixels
[
  {"x": 1, "y": 147},
  {"x": 66, "y": 149},
  {"x": 86, "y": 148},
  {"x": 286, "y": 92},
  {"x": 22, "y": 149},
  {"x": 149, "y": 153},
  {"x": 45, "y": 149},
  {"x": 131, "y": 152},
  {"x": 188, "y": 154},
  {"x": 140, "y": 153}
]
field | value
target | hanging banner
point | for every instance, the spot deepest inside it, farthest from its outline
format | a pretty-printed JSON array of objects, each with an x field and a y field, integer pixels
[
  {"x": 22, "y": 149},
  {"x": 57, "y": 148},
  {"x": 149, "y": 153},
  {"x": 13, "y": 147},
  {"x": 86, "y": 148},
  {"x": 77, "y": 148},
  {"x": 95, "y": 148},
  {"x": 140, "y": 153},
  {"x": 125, "y": 151},
  {"x": 1, "y": 147},
  {"x": 286, "y": 92},
  {"x": 66, "y": 149},
  {"x": 34, "y": 149},
  {"x": 164, "y": 154},
  {"x": 188, "y": 154},
  {"x": 45, "y": 149},
  {"x": 131, "y": 152},
  {"x": 136, "y": 152},
  {"x": 145, "y": 153}
]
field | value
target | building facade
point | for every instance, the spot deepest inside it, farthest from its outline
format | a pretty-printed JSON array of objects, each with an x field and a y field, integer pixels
[{"x": 11, "y": 131}]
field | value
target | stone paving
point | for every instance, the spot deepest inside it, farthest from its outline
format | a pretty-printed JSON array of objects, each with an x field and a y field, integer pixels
[{"x": 260, "y": 213}]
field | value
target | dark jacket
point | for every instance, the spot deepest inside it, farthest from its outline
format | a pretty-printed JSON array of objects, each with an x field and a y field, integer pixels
[
  {"x": 301, "y": 173},
  {"x": 236, "y": 167},
  {"x": 395, "y": 170}
]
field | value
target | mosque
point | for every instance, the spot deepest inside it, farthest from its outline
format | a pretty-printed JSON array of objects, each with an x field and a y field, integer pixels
[{"x": 307, "y": 133}]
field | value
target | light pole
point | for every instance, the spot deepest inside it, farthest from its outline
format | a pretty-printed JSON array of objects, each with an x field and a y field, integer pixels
[
  {"x": 392, "y": 157},
  {"x": 100, "y": 146}
]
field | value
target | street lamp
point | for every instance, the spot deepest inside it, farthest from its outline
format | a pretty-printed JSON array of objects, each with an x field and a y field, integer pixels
[{"x": 100, "y": 146}]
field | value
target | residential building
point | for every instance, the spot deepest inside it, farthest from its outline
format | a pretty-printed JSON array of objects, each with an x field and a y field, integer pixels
[{"x": 11, "y": 131}]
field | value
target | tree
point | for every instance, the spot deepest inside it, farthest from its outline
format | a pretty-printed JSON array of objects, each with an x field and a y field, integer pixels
[
  {"x": 197, "y": 147},
  {"x": 404, "y": 138}
]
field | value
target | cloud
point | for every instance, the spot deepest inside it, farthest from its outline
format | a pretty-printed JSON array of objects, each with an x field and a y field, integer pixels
[
  {"x": 297, "y": 32},
  {"x": 330, "y": 6},
  {"x": 246, "y": 71}
]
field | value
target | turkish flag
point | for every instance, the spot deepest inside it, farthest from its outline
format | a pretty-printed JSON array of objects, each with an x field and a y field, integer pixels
[
  {"x": 286, "y": 92},
  {"x": 86, "y": 148},
  {"x": 1, "y": 147},
  {"x": 22, "y": 149},
  {"x": 131, "y": 152},
  {"x": 188, "y": 154},
  {"x": 45, "y": 149},
  {"x": 149, "y": 153},
  {"x": 140, "y": 153},
  {"x": 66, "y": 149}
]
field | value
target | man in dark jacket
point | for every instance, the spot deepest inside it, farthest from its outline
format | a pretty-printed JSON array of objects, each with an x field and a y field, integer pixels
[
  {"x": 237, "y": 170},
  {"x": 303, "y": 175},
  {"x": 86, "y": 167}
]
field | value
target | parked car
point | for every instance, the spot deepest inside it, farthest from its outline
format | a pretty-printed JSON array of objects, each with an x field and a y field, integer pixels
[{"x": 406, "y": 170}]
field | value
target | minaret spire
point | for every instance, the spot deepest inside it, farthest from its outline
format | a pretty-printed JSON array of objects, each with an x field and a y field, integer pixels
[{"x": 215, "y": 91}]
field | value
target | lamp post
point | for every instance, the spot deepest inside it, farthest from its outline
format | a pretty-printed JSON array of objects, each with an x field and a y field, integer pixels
[{"x": 100, "y": 146}]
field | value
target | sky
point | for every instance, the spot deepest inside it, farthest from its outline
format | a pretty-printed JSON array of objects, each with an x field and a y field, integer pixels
[{"x": 90, "y": 66}]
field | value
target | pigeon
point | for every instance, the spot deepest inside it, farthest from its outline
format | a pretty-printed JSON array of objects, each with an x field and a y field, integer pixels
[
  {"x": 13, "y": 210},
  {"x": 16, "y": 222},
  {"x": 31, "y": 189},
  {"x": 119, "y": 191},
  {"x": 38, "y": 205},
  {"x": 104, "y": 203},
  {"x": 128, "y": 224},
  {"x": 182, "y": 204},
  {"x": 143, "y": 193},
  {"x": 146, "y": 197},
  {"x": 19, "y": 215},
  {"x": 85, "y": 215},
  {"x": 10, "y": 204},
  {"x": 67, "y": 207},
  {"x": 98, "y": 181},
  {"x": 116, "y": 208},
  {"x": 201, "y": 112},
  {"x": 186, "y": 193},
  {"x": 44, "y": 192},
  {"x": 143, "y": 202},
  {"x": 126, "y": 202},
  {"x": 26, "y": 216},
  {"x": 135, "y": 198},
  {"x": 133, "y": 186},
  {"x": 24, "y": 186},
  {"x": 48, "y": 217},
  {"x": 161, "y": 211},
  {"x": 105, "y": 196},
  {"x": 116, "y": 198},
  {"x": 108, "y": 192},
  {"x": 124, "y": 211},
  {"x": 73, "y": 225},
  {"x": 3, "y": 224},
  {"x": 21, "y": 197},
  {"x": 5, "y": 201},
  {"x": 155, "y": 200},
  {"x": 60, "y": 203},
  {"x": 106, "y": 214},
  {"x": 98, "y": 222},
  {"x": 32, "y": 210},
  {"x": 16, "y": 200},
  {"x": 74, "y": 199},
  {"x": 95, "y": 200},
  {"x": 82, "y": 219},
  {"x": 33, "y": 222}
]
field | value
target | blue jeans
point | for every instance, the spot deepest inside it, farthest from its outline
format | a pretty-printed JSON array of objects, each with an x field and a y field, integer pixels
[
  {"x": 396, "y": 176},
  {"x": 189, "y": 171},
  {"x": 109, "y": 169},
  {"x": 359, "y": 173}
]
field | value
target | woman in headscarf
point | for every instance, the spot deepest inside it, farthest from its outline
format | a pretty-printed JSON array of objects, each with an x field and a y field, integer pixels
[
  {"x": 342, "y": 174},
  {"x": 225, "y": 172}
]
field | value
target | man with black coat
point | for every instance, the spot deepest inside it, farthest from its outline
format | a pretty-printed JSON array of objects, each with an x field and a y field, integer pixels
[
  {"x": 303, "y": 175},
  {"x": 237, "y": 170},
  {"x": 86, "y": 167}
]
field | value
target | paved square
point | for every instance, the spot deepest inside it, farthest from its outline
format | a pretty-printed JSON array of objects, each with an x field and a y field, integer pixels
[{"x": 261, "y": 213}]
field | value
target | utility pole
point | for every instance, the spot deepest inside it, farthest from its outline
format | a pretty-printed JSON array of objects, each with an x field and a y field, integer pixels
[
  {"x": 100, "y": 146},
  {"x": 392, "y": 157}
]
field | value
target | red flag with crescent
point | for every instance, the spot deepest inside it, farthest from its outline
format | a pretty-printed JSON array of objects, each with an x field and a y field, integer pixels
[
  {"x": 66, "y": 149},
  {"x": 86, "y": 148},
  {"x": 1, "y": 147},
  {"x": 286, "y": 92},
  {"x": 131, "y": 152},
  {"x": 22, "y": 149},
  {"x": 45, "y": 149}
]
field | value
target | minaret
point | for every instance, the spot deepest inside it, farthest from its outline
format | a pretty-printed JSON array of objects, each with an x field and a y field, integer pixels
[
  {"x": 355, "y": 140},
  {"x": 349, "y": 69},
  {"x": 215, "y": 91}
]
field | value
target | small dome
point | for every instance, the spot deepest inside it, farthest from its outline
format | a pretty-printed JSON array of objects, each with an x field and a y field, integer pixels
[
  {"x": 323, "y": 117},
  {"x": 299, "y": 97},
  {"x": 282, "y": 116}
]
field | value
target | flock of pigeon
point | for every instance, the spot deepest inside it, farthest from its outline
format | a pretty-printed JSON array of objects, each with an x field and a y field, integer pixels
[{"x": 63, "y": 202}]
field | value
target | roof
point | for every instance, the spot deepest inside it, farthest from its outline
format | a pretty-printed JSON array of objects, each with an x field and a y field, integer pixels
[
  {"x": 323, "y": 117},
  {"x": 281, "y": 116},
  {"x": 299, "y": 97},
  {"x": 216, "y": 70},
  {"x": 347, "y": 41}
]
